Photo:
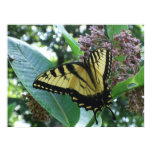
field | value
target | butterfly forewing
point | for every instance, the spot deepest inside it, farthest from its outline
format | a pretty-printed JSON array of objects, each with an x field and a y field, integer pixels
[{"x": 66, "y": 78}]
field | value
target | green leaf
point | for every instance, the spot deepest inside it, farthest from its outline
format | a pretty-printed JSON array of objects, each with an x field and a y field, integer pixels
[
  {"x": 70, "y": 40},
  {"x": 11, "y": 108},
  {"x": 28, "y": 63},
  {"x": 115, "y": 29},
  {"x": 131, "y": 83}
]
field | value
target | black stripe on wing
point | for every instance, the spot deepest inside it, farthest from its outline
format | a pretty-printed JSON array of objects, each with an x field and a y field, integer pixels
[
  {"x": 71, "y": 69},
  {"x": 95, "y": 60}
]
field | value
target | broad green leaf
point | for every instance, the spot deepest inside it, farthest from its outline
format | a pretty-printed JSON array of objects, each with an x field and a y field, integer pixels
[
  {"x": 115, "y": 29},
  {"x": 28, "y": 63},
  {"x": 131, "y": 83},
  {"x": 70, "y": 40}
]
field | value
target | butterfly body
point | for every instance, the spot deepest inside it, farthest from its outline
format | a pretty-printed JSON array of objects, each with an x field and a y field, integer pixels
[{"x": 85, "y": 82}]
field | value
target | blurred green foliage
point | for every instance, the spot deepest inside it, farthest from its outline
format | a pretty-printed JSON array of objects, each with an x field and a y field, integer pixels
[{"x": 46, "y": 37}]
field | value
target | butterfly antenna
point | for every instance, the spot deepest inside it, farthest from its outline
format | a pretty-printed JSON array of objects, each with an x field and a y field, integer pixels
[{"x": 113, "y": 115}]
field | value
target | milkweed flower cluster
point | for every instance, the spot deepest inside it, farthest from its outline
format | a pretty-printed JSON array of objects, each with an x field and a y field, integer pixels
[
  {"x": 38, "y": 112},
  {"x": 126, "y": 53},
  {"x": 95, "y": 40},
  {"x": 130, "y": 49}
]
